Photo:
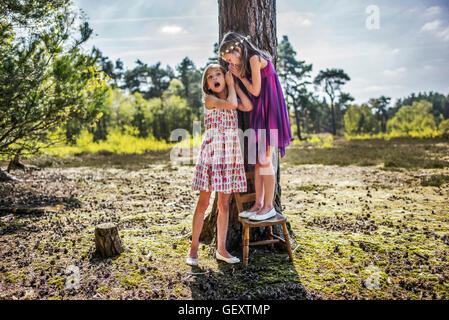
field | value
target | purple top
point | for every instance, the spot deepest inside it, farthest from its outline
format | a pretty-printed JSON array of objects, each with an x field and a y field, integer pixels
[{"x": 270, "y": 115}]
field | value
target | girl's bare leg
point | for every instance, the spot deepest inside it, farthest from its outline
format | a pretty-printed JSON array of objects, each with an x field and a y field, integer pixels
[
  {"x": 222, "y": 223},
  {"x": 197, "y": 223},
  {"x": 258, "y": 185},
  {"x": 267, "y": 171}
]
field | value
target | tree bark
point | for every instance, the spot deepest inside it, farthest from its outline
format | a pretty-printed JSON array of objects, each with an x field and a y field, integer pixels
[
  {"x": 256, "y": 18},
  {"x": 15, "y": 163},
  {"x": 334, "y": 126},
  {"x": 298, "y": 124},
  {"x": 107, "y": 240}
]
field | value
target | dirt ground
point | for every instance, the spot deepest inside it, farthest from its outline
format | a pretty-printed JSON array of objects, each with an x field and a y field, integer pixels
[{"x": 369, "y": 231}]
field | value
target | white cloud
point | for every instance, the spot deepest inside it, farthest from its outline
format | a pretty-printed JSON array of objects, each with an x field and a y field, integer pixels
[
  {"x": 394, "y": 72},
  {"x": 444, "y": 35},
  {"x": 153, "y": 18},
  {"x": 434, "y": 27},
  {"x": 129, "y": 39},
  {"x": 431, "y": 11},
  {"x": 155, "y": 52},
  {"x": 172, "y": 30},
  {"x": 374, "y": 89},
  {"x": 431, "y": 26},
  {"x": 295, "y": 19},
  {"x": 395, "y": 51}
]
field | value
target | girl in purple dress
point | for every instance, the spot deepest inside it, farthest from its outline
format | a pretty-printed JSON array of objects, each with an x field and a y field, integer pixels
[{"x": 269, "y": 118}]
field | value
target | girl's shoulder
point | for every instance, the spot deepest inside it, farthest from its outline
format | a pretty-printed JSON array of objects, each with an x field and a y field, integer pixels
[{"x": 261, "y": 59}]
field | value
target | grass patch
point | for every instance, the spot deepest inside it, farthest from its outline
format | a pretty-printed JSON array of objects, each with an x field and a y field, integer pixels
[
  {"x": 117, "y": 142},
  {"x": 406, "y": 153},
  {"x": 436, "y": 180}
]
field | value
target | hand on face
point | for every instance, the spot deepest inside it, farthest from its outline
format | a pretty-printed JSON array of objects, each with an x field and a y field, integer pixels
[
  {"x": 229, "y": 79},
  {"x": 235, "y": 69}
]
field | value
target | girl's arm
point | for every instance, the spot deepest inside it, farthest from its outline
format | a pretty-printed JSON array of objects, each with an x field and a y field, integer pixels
[
  {"x": 231, "y": 102},
  {"x": 255, "y": 86},
  {"x": 245, "y": 103}
]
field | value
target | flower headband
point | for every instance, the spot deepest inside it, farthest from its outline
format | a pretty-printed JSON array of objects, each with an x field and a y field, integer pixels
[{"x": 236, "y": 44}]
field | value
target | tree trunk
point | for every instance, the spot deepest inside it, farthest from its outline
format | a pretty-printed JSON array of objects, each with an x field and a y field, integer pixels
[
  {"x": 15, "y": 163},
  {"x": 256, "y": 18},
  {"x": 107, "y": 240},
  {"x": 298, "y": 123},
  {"x": 334, "y": 127}
]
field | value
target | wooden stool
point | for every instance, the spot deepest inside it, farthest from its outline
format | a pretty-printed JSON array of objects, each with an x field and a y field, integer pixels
[{"x": 247, "y": 224}]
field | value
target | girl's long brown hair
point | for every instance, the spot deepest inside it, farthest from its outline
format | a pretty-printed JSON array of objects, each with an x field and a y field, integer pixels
[{"x": 248, "y": 49}]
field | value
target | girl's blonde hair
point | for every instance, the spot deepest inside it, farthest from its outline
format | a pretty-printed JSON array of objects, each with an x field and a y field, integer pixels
[
  {"x": 209, "y": 67},
  {"x": 231, "y": 41}
]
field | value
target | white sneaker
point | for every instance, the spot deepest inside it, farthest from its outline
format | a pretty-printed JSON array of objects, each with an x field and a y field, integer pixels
[
  {"x": 191, "y": 261},
  {"x": 228, "y": 260},
  {"x": 265, "y": 216},
  {"x": 247, "y": 214}
]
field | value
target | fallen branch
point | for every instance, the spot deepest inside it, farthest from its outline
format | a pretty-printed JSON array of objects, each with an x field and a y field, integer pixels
[
  {"x": 296, "y": 248},
  {"x": 421, "y": 256},
  {"x": 34, "y": 210},
  {"x": 195, "y": 274}
]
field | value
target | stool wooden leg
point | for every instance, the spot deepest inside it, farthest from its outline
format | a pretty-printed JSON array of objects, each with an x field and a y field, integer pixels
[
  {"x": 270, "y": 235},
  {"x": 245, "y": 245},
  {"x": 287, "y": 240}
]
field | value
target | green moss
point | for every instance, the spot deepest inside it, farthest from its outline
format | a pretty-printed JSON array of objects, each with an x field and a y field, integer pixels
[
  {"x": 132, "y": 280},
  {"x": 104, "y": 290},
  {"x": 57, "y": 282},
  {"x": 12, "y": 277}
]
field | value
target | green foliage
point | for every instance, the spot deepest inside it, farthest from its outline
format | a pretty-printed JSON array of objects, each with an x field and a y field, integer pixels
[
  {"x": 359, "y": 119},
  {"x": 316, "y": 141},
  {"x": 444, "y": 127},
  {"x": 294, "y": 74},
  {"x": 190, "y": 85},
  {"x": 380, "y": 106},
  {"x": 415, "y": 119},
  {"x": 440, "y": 103},
  {"x": 150, "y": 81},
  {"x": 46, "y": 78},
  {"x": 332, "y": 80},
  {"x": 169, "y": 113},
  {"x": 119, "y": 140}
]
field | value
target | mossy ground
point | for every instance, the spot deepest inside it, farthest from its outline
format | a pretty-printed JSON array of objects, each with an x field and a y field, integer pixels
[{"x": 370, "y": 221}]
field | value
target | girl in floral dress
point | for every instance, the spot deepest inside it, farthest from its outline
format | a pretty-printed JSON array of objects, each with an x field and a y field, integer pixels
[{"x": 220, "y": 166}]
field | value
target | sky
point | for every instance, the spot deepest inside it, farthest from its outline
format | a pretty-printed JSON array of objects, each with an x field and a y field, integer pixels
[{"x": 387, "y": 47}]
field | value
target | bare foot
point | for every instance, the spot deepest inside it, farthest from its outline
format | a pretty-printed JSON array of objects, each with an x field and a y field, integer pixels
[
  {"x": 254, "y": 208},
  {"x": 225, "y": 253},
  {"x": 193, "y": 253},
  {"x": 264, "y": 210}
]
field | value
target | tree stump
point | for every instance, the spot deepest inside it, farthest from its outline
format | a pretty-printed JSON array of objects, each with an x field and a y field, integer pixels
[{"x": 107, "y": 240}]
